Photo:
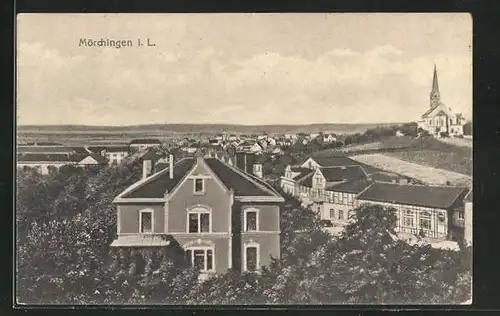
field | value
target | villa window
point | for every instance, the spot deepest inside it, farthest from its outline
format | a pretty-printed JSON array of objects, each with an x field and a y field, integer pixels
[
  {"x": 201, "y": 258},
  {"x": 408, "y": 217},
  {"x": 332, "y": 213},
  {"x": 199, "y": 186},
  {"x": 461, "y": 215},
  {"x": 199, "y": 222},
  {"x": 425, "y": 220},
  {"x": 146, "y": 221},
  {"x": 251, "y": 260},
  {"x": 251, "y": 220}
]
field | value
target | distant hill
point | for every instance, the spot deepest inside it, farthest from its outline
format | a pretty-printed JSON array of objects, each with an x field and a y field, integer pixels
[{"x": 198, "y": 128}]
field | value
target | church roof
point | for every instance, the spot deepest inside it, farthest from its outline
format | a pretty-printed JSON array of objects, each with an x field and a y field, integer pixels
[{"x": 443, "y": 110}]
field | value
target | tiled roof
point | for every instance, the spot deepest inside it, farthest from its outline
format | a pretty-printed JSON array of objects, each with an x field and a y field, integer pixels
[
  {"x": 114, "y": 149},
  {"x": 45, "y": 149},
  {"x": 241, "y": 183},
  {"x": 145, "y": 141},
  {"x": 100, "y": 159},
  {"x": 157, "y": 186},
  {"x": 302, "y": 172},
  {"x": 96, "y": 149},
  {"x": 306, "y": 180},
  {"x": 151, "y": 155},
  {"x": 419, "y": 195},
  {"x": 47, "y": 158},
  {"x": 429, "y": 111},
  {"x": 355, "y": 186},
  {"x": 342, "y": 173},
  {"x": 69, "y": 158}
]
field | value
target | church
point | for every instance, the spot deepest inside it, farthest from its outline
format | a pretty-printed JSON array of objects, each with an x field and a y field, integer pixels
[{"x": 439, "y": 119}]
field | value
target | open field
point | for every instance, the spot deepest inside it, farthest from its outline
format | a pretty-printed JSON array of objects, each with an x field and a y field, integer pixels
[
  {"x": 451, "y": 161},
  {"x": 79, "y": 139},
  {"x": 197, "y": 128},
  {"x": 425, "y": 174},
  {"x": 427, "y": 152}
]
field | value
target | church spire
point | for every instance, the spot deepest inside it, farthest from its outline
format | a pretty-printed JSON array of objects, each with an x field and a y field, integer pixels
[{"x": 434, "y": 95}]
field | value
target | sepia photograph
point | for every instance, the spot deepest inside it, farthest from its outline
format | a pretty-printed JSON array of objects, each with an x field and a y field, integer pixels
[{"x": 243, "y": 159}]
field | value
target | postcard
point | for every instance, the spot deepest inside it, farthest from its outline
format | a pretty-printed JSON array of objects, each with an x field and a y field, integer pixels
[{"x": 244, "y": 159}]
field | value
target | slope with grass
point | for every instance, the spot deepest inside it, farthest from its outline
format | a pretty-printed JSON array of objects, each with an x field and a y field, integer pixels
[{"x": 426, "y": 152}]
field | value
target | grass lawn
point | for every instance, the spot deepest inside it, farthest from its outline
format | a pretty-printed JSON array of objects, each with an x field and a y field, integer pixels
[
  {"x": 457, "y": 161},
  {"x": 426, "y": 174},
  {"x": 426, "y": 152}
]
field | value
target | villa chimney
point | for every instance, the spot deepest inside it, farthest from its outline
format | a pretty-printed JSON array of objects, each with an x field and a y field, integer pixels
[
  {"x": 171, "y": 166},
  {"x": 147, "y": 168}
]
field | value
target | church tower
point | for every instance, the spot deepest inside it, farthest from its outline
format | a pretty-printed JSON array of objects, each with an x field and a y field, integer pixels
[{"x": 434, "y": 95}]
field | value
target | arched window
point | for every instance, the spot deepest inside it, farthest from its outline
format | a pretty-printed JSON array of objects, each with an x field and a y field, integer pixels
[{"x": 199, "y": 220}]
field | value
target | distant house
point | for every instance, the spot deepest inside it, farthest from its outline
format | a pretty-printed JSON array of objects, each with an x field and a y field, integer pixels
[
  {"x": 329, "y": 138},
  {"x": 115, "y": 154},
  {"x": 189, "y": 150},
  {"x": 255, "y": 148},
  {"x": 271, "y": 141},
  {"x": 334, "y": 186},
  {"x": 221, "y": 216},
  {"x": 215, "y": 142},
  {"x": 142, "y": 144},
  {"x": 43, "y": 163},
  {"x": 263, "y": 143},
  {"x": 313, "y": 136},
  {"x": 420, "y": 209}
]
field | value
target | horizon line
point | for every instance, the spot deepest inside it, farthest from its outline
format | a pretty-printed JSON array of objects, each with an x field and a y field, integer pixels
[{"x": 207, "y": 124}]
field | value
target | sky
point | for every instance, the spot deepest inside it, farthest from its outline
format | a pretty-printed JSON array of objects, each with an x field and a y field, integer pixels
[{"x": 248, "y": 69}]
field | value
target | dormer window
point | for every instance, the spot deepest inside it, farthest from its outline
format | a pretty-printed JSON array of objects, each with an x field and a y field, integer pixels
[{"x": 199, "y": 186}]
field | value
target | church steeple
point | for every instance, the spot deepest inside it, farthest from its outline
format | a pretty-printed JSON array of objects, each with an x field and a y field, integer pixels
[{"x": 434, "y": 95}]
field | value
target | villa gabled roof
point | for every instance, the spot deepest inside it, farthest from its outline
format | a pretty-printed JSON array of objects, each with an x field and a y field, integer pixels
[
  {"x": 243, "y": 184},
  {"x": 156, "y": 185}
]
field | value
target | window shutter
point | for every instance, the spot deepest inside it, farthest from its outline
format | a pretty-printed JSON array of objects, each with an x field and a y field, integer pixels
[{"x": 188, "y": 257}]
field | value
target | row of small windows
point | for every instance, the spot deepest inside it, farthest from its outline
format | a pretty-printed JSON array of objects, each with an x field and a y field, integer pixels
[{"x": 199, "y": 221}]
